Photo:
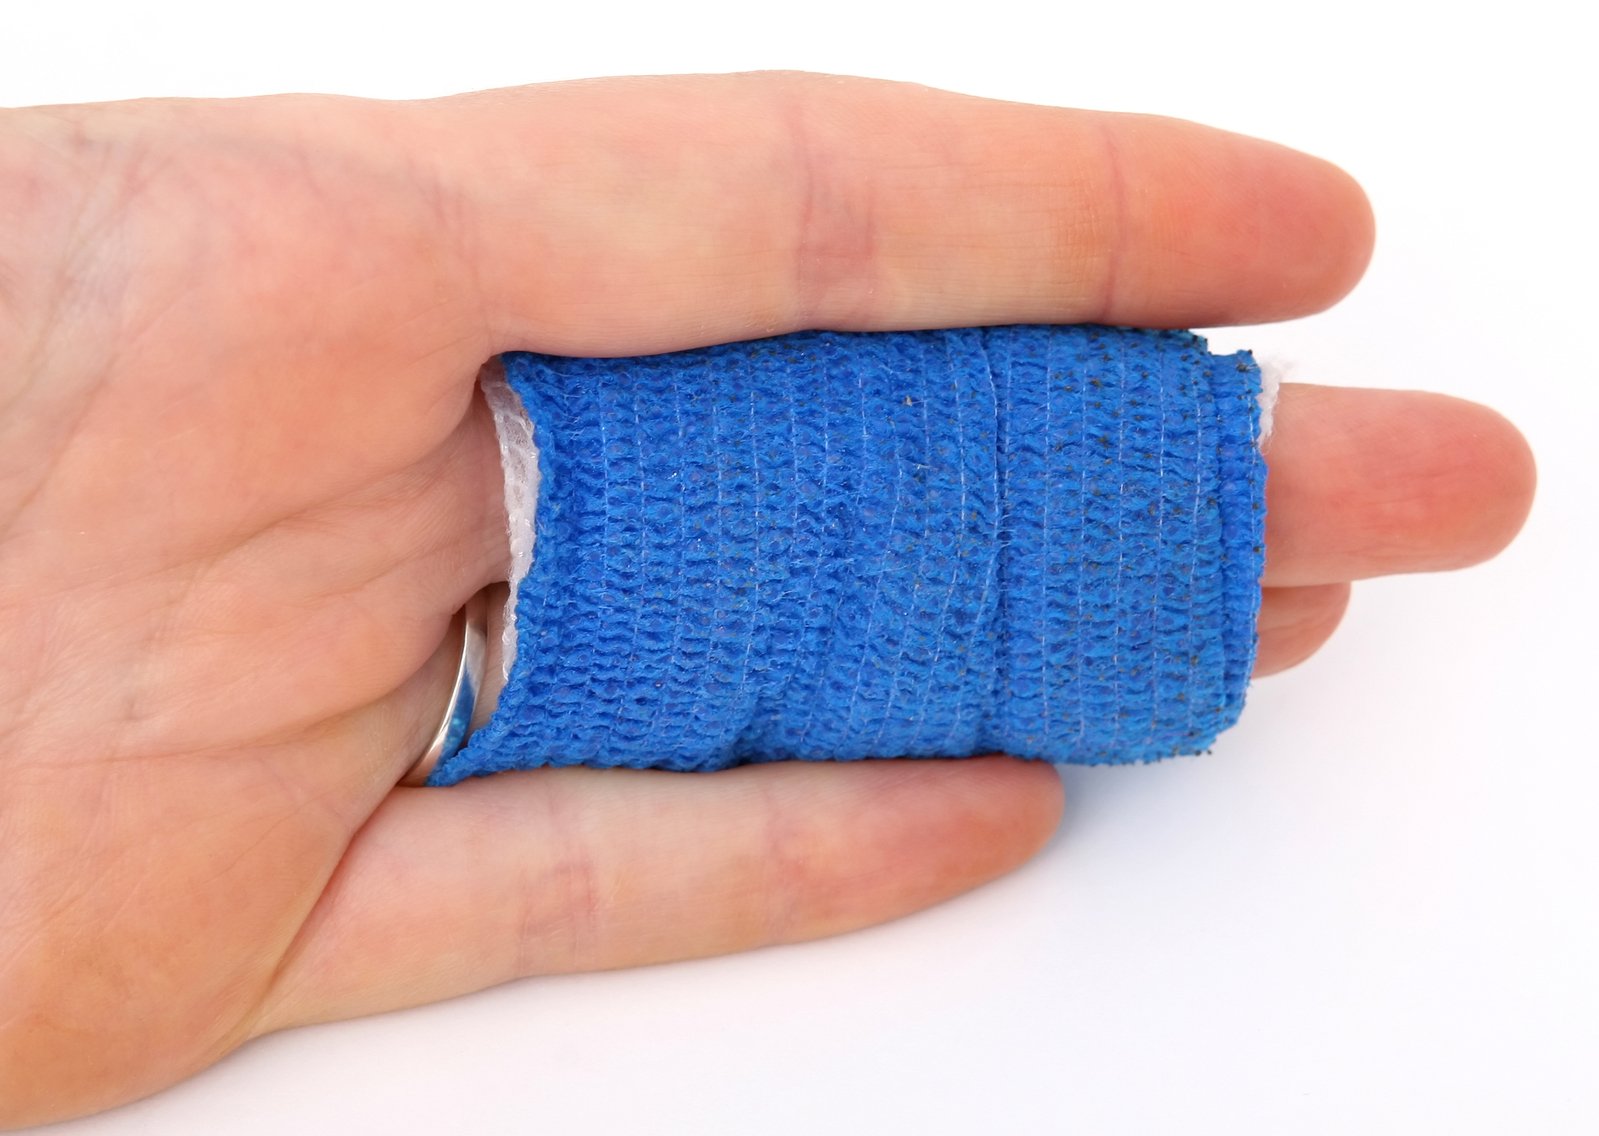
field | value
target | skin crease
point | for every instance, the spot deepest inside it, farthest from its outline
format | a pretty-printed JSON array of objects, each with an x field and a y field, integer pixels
[{"x": 244, "y": 482}]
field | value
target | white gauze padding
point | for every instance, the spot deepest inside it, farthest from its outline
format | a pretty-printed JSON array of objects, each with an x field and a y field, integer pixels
[
  {"x": 1273, "y": 373},
  {"x": 519, "y": 458}
]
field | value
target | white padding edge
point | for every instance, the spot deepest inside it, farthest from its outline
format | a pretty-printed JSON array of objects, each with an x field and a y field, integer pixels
[
  {"x": 1273, "y": 373},
  {"x": 519, "y": 458}
]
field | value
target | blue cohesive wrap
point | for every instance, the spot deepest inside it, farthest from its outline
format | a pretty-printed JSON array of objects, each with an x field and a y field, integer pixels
[{"x": 1042, "y": 541}]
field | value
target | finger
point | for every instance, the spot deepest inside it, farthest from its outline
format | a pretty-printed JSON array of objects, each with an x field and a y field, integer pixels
[
  {"x": 1295, "y": 622},
  {"x": 447, "y": 891},
  {"x": 1372, "y": 482},
  {"x": 626, "y": 216},
  {"x": 637, "y": 215}
]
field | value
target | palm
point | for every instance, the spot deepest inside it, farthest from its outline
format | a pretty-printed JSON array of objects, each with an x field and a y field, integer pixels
[
  {"x": 244, "y": 483},
  {"x": 237, "y": 522}
]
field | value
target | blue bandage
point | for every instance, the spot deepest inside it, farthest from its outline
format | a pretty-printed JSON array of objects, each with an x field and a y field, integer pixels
[{"x": 1042, "y": 541}]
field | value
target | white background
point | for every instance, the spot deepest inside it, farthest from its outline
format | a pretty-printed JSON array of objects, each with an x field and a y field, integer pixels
[{"x": 1372, "y": 909}]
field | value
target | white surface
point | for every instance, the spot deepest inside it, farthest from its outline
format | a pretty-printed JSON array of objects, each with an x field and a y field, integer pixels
[{"x": 1372, "y": 909}]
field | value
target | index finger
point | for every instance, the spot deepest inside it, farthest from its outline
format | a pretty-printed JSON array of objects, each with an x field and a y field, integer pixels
[{"x": 638, "y": 215}]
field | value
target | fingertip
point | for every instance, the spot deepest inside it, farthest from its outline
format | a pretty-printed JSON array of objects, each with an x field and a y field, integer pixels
[
  {"x": 883, "y": 839},
  {"x": 1374, "y": 482},
  {"x": 1295, "y": 623},
  {"x": 1243, "y": 230},
  {"x": 977, "y": 819},
  {"x": 1508, "y": 473},
  {"x": 1312, "y": 237},
  {"x": 1344, "y": 230},
  {"x": 1472, "y": 486}
]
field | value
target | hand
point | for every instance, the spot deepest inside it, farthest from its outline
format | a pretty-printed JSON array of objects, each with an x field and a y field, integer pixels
[{"x": 245, "y": 481}]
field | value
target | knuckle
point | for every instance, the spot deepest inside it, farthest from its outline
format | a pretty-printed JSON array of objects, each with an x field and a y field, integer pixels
[{"x": 834, "y": 214}]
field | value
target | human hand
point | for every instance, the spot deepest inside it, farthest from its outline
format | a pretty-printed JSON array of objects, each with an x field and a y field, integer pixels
[{"x": 245, "y": 482}]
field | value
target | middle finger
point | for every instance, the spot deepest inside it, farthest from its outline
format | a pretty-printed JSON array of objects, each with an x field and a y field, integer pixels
[{"x": 1375, "y": 482}]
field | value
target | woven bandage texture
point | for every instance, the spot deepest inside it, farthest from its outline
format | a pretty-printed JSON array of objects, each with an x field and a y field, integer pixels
[{"x": 1041, "y": 541}]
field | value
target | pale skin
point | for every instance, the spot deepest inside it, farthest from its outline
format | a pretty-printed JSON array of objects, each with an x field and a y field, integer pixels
[{"x": 245, "y": 481}]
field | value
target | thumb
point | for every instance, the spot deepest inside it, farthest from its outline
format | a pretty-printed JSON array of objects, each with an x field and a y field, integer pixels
[{"x": 552, "y": 871}]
